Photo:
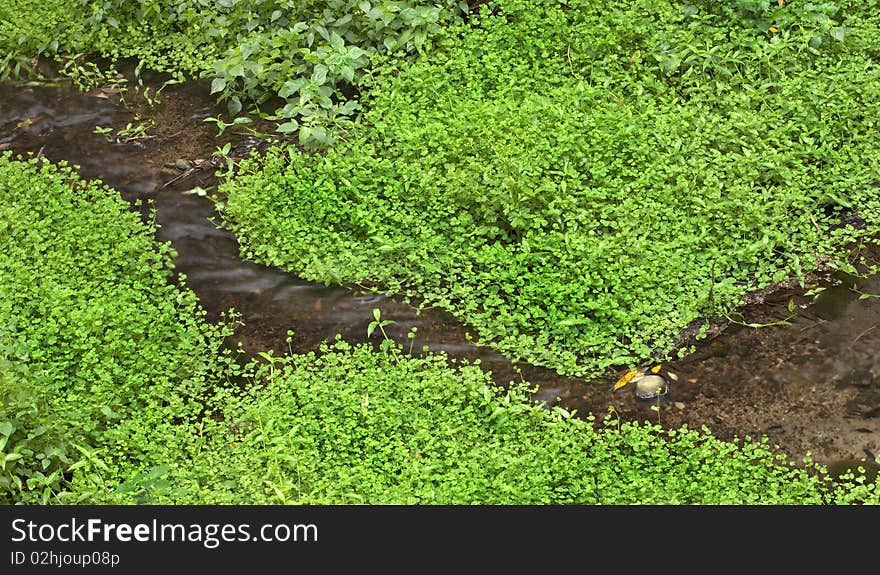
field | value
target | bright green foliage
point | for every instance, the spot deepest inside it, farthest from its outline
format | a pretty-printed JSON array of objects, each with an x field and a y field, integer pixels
[
  {"x": 28, "y": 28},
  {"x": 115, "y": 390},
  {"x": 97, "y": 348},
  {"x": 303, "y": 58},
  {"x": 354, "y": 426},
  {"x": 579, "y": 181}
]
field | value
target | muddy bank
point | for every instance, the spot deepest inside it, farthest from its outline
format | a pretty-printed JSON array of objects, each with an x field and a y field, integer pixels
[{"x": 811, "y": 386}]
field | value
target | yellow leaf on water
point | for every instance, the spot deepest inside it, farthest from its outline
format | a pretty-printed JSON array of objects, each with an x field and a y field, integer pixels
[
  {"x": 27, "y": 123},
  {"x": 626, "y": 378}
]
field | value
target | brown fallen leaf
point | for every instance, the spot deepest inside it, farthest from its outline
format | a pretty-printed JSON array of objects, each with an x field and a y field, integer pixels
[{"x": 105, "y": 92}]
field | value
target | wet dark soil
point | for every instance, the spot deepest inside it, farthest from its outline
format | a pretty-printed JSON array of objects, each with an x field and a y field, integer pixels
[{"x": 812, "y": 386}]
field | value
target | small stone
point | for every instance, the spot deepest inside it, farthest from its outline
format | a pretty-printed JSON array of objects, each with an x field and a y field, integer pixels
[
  {"x": 679, "y": 405},
  {"x": 650, "y": 386},
  {"x": 182, "y": 164}
]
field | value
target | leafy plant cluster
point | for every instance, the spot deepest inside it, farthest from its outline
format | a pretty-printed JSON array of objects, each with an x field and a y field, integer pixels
[
  {"x": 100, "y": 355},
  {"x": 115, "y": 390},
  {"x": 298, "y": 63},
  {"x": 417, "y": 431},
  {"x": 28, "y": 29},
  {"x": 579, "y": 181}
]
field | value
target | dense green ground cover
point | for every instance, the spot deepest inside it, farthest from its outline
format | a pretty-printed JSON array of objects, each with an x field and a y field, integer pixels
[
  {"x": 115, "y": 390},
  {"x": 98, "y": 349},
  {"x": 579, "y": 181}
]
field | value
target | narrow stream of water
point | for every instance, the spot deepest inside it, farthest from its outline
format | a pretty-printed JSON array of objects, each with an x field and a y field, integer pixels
[{"x": 812, "y": 386}]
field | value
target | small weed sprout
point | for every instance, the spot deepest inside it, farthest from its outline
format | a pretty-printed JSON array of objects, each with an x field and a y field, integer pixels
[
  {"x": 387, "y": 343},
  {"x": 412, "y": 337}
]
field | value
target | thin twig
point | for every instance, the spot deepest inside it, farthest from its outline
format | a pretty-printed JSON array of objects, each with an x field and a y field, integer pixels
[
  {"x": 185, "y": 174},
  {"x": 858, "y": 337},
  {"x": 818, "y": 321}
]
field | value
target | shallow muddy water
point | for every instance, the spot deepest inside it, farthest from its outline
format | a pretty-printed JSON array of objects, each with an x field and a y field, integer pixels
[{"x": 811, "y": 386}]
